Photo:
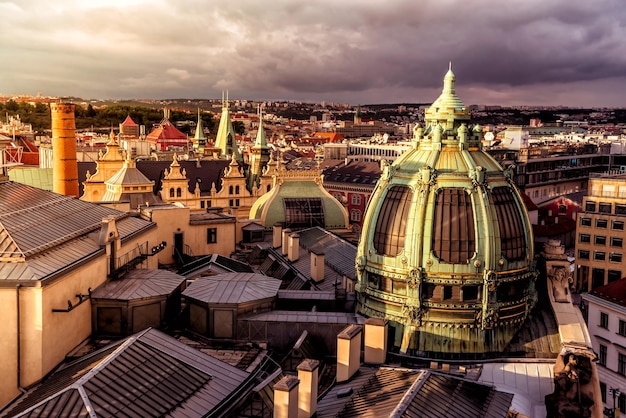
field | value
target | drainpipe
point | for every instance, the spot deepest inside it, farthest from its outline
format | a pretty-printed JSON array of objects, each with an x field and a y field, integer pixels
[{"x": 19, "y": 348}]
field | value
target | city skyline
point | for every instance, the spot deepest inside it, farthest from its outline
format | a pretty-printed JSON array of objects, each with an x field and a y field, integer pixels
[{"x": 567, "y": 53}]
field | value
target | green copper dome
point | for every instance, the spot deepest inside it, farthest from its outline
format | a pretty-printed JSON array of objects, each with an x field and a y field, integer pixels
[{"x": 446, "y": 250}]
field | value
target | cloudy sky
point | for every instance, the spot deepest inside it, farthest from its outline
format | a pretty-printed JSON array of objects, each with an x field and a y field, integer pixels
[{"x": 508, "y": 52}]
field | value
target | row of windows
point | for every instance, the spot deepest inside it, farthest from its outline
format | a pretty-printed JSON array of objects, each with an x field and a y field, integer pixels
[
  {"x": 605, "y": 207},
  {"x": 602, "y": 223},
  {"x": 230, "y": 189},
  {"x": 601, "y": 240},
  {"x": 600, "y": 256},
  {"x": 604, "y": 323}
]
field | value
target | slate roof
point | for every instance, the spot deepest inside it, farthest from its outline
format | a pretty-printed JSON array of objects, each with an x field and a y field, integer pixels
[
  {"x": 232, "y": 288},
  {"x": 138, "y": 284},
  {"x": 363, "y": 173},
  {"x": 147, "y": 374}
]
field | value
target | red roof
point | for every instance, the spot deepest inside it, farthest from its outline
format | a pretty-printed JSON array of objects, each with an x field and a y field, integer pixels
[
  {"x": 331, "y": 136},
  {"x": 613, "y": 292},
  {"x": 166, "y": 131},
  {"x": 129, "y": 122},
  {"x": 530, "y": 205}
]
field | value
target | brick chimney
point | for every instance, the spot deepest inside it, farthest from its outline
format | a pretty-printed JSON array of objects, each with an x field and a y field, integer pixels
[
  {"x": 317, "y": 265},
  {"x": 348, "y": 352},
  {"x": 286, "y": 397},
  {"x": 65, "y": 166},
  {"x": 375, "y": 341},
  {"x": 293, "y": 250},
  {"x": 307, "y": 391}
]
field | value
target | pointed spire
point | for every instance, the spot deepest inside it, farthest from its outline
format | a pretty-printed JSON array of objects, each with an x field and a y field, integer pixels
[
  {"x": 448, "y": 81},
  {"x": 261, "y": 140},
  {"x": 199, "y": 135}
]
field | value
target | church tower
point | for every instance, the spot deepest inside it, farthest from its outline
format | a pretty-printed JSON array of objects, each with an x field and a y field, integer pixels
[
  {"x": 226, "y": 140},
  {"x": 259, "y": 157},
  {"x": 199, "y": 140},
  {"x": 446, "y": 253}
]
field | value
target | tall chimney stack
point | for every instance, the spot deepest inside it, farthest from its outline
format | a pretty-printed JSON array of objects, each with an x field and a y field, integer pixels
[{"x": 65, "y": 167}]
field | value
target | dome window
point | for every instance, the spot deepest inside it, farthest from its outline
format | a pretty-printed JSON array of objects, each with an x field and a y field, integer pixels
[
  {"x": 391, "y": 223},
  {"x": 512, "y": 235},
  {"x": 454, "y": 238}
]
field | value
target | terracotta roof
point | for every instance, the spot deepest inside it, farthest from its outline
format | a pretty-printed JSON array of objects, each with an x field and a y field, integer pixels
[
  {"x": 129, "y": 122},
  {"x": 614, "y": 292},
  {"x": 165, "y": 131},
  {"x": 530, "y": 205}
]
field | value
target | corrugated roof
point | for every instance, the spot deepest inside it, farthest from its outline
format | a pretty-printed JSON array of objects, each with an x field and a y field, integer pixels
[
  {"x": 148, "y": 374},
  {"x": 138, "y": 284},
  {"x": 399, "y": 392},
  {"x": 230, "y": 288},
  {"x": 35, "y": 219}
]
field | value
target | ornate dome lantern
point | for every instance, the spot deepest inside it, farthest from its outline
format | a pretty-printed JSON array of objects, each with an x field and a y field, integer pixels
[{"x": 446, "y": 252}]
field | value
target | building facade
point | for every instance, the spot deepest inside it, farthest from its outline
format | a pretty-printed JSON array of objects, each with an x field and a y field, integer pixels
[{"x": 600, "y": 233}]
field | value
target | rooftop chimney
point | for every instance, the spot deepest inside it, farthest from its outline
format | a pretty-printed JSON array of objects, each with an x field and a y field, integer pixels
[
  {"x": 348, "y": 352},
  {"x": 65, "y": 166},
  {"x": 284, "y": 241},
  {"x": 317, "y": 265},
  {"x": 293, "y": 251},
  {"x": 307, "y": 391},
  {"x": 375, "y": 340},
  {"x": 277, "y": 234},
  {"x": 286, "y": 397}
]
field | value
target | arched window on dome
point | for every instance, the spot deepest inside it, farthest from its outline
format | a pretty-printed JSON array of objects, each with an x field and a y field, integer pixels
[
  {"x": 179, "y": 192},
  {"x": 390, "y": 228},
  {"x": 454, "y": 237},
  {"x": 230, "y": 189},
  {"x": 172, "y": 192},
  {"x": 512, "y": 236}
]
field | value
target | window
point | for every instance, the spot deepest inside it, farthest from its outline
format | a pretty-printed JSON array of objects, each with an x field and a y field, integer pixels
[
  {"x": 356, "y": 199},
  {"x": 599, "y": 255},
  {"x": 231, "y": 202},
  {"x": 584, "y": 221},
  {"x": 447, "y": 292},
  {"x": 512, "y": 235},
  {"x": 355, "y": 215},
  {"x": 237, "y": 202},
  {"x": 621, "y": 402},
  {"x": 236, "y": 189},
  {"x": 608, "y": 190},
  {"x": 618, "y": 225},
  {"x": 604, "y": 320},
  {"x": 470, "y": 293},
  {"x": 562, "y": 209},
  {"x": 597, "y": 277},
  {"x": 614, "y": 275},
  {"x": 600, "y": 240},
  {"x": 601, "y": 223},
  {"x": 604, "y": 208},
  {"x": 615, "y": 257},
  {"x": 172, "y": 192},
  {"x": 303, "y": 212},
  {"x": 211, "y": 235},
  {"x": 590, "y": 206},
  {"x": 230, "y": 190},
  {"x": 622, "y": 328},
  {"x": 208, "y": 203},
  {"x": 584, "y": 238},
  {"x": 621, "y": 364},
  {"x": 616, "y": 242},
  {"x": 179, "y": 192},
  {"x": 620, "y": 209},
  {"x": 583, "y": 254},
  {"x": 602, "y": 355},
  {"x": 390, "y": 229}
]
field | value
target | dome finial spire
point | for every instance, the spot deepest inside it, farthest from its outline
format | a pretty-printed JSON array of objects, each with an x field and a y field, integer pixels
[{"x": 450, "y": 65}]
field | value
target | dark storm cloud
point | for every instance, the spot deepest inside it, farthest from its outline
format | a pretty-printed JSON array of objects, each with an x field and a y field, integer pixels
[{"x": 518, "y": 51}]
